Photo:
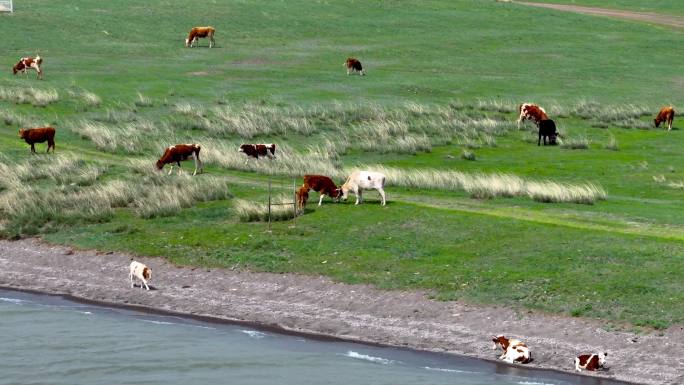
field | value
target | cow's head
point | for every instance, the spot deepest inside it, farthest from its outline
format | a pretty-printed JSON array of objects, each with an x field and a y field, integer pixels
[
  {"x": 242, "y": 147},
  {"x": 657, "y": 121},
  {"x": 147, "y": 273},
  {"x": 500, "y": 341},
  {"x": 160, "y": 164},
  {"x": 602, "y": 358},
  {"x": 187, "y": 43},
  {"x": 22, "y": 133},
  {"x": 553, "y": 139},
  {"x": 343, "y": 193},
  {"x": 337, "y": 194}
]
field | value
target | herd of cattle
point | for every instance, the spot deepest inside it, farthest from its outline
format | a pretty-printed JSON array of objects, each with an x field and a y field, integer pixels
[{"x": 513, "y": 350}]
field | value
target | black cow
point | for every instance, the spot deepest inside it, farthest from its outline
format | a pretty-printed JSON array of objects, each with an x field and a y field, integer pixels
[{"x": 547, "y": 129}]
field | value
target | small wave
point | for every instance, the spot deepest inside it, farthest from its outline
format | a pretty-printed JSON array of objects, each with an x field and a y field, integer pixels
[
  {"x": 11, "y": 300},
  {"x": 359, "y": 356},
  {"x": 533, "y": 383},
  {"x": 158, "y": 322},
  {"x": 86, "y": 312},
  {"x": 446, "y": 370},
  {"x": 254, "y": 333}
]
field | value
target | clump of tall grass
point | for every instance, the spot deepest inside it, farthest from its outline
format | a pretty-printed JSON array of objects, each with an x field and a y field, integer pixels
[
  {"x": 282, "y": 209},
  {"x": 553, "y": 192},
  {"x": 611, "y": 144},
  {"x": 497, "y": 105},
  {"x": 253, "y": 120},
  {"x": 580, "y": 143},
  {"x": 467, "y": 155},
  {"x": 386, "y": 136},
  {"x": 191, "y": 110},
  {"x": 30, "y": 95},
  {"x": 115, "y": 116},
  {"x": 61, "y": 169},
  {"x": 143, "y": 101},
  {"x": 132, "y": 137}
]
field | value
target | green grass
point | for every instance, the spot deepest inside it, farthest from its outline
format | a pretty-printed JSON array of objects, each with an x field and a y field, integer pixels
[
  {"x": 444, "y": 78},
  {"x": 654, "y": 6}
]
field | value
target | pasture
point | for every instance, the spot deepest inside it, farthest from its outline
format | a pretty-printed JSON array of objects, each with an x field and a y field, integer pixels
[{"x": 589, "y": 228}]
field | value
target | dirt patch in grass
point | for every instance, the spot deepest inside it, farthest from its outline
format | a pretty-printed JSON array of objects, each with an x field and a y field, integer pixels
[
  {"x": 655, "y": 18},
  {"x": 311, "y": 304}
]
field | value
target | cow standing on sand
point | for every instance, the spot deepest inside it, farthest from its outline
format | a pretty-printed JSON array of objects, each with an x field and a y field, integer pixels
[
  {"x": 323, "y": 185},
  {"x": 38, "y": 135},
  {"x": 364, "y": 180},
  {"x": 353, "y": 65},
  {"x": 529, "y": 111},
  {"x": 27, "y": 63},
  {"x": 666, "y": 114},
  {"x": 200, "y": 32},
  {"x": 178, "y": 153},
  {"x": 513, "y": 350},
  {"x": 140, "y": 271}
]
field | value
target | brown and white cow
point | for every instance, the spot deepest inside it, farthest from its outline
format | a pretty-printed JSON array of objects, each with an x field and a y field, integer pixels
[
  {"x": 590, "y": 362},
  {"x": 178, "y": 153},
  {"x": 38, "y": 135},
  {"x": 27, "y": 63},
  {"x": 529, "y": 111},
  {"x": 302, "y": 197},
  {"x": 200, "y": 32},
  {"x": 258, "y": 150},
  {"x": 353, "y": 65},
  {"x": 323, "y": 186},
  {"x": 140, "y": 271},
  {"x": 513, "y": 350},
  {"x": 666, "y": 114}
]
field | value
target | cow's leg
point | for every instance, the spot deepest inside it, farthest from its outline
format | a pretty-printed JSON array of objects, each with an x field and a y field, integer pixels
[
  {"x": 320, "y": 199},
  {"x": 179, "y": 167},
  {"x": 146, "y": 287},
  {"x": 196, "y": 165},
  {"x": 359, "y": 196},
  {"x": 348, "y": 72},
  {"x": 33, "y": 148},
  {"x": 131, "y": 277},
  {"x": 171, "y": 170},
  {"x": 382, "y": 195},
  {"x": 211, "y": 41},
  {"x": 539, "y": 140},
  {"x": 669, "y": 124}
]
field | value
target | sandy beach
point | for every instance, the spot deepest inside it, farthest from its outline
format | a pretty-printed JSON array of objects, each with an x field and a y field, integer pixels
[{"x": 318, "y": 306}]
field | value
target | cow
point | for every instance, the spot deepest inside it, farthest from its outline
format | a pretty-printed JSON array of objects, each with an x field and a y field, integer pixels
[
  {"x": 353, "y": 65},
  {"x": 547, "y": 129},
  {"x": 666, "y": 114},
  {"x": 590, "y": 362},
  {"x": 529, "y": 111},
  {"x": 140, "y": 271},
  {"x": 178, "y": 153},
  {"x": 364, "y": 180},
  {"x": 27, "y": 63},
  {"x": 38, "y": 135},
  {"x": 258, "y": 150},
  {"x": 200, "y": 32},
  {"x": 513, "y": 350},
  {"x": 302, "y": 197},
  {"x": 323, "y": 186}
]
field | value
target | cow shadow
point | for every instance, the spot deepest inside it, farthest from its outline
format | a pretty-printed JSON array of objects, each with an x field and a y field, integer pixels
[{"x": 135, "y": 285}]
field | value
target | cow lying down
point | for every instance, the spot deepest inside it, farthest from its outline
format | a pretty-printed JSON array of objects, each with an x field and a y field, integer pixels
[
  {"x": 590, "y": 362},
  {"x": 513, "y": 350}
]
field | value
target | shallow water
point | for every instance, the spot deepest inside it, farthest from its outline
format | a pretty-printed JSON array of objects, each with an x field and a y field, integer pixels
[{"x": 50, "y": 340}]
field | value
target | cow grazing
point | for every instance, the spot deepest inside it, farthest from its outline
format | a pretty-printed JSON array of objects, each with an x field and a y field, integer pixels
[
  {"x": 364, "y": 180},
  {"x": 547, "y": 129},
  {"x": 322, "y": 185},
  {"x": 302, "y": 197},
  {"x": 258, "y": 150},
  {"x": 38, "y": 135},
  {"x": 513, "y": 350},
  {"x": 353, "y": 65},
  {"x": 590, "y": 362},
  {"x": 529, "y": 111},
  {"x": 666, "y": 114},
  {"x": 200, "y": 32},
  {"x": 141, "y": 272},
  {"x": 178, "y": 153},
  {"x": 27, "y": 63}
]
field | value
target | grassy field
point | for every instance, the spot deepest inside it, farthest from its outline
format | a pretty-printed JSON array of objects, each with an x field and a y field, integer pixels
[
  {"x": 671, "y": 7},
  {"x": 477, "y": 211}
]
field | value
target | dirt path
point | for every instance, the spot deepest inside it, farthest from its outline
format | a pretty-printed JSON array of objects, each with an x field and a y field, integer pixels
[
  {"x": 669, "y": 20},
  {"x": 355, "y": 312}
]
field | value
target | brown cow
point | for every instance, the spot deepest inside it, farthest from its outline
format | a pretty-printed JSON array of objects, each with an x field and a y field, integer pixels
[
  {"x": 200, "y": 32},
  {"x": 529, "y": 111},
  {"x": 27, "y": 63},
  {"x": 178, "y": 153},
  {"x": 38, "y": 135},
  {"x": 590, "y": 362},
  {"x": 322, "y": 185},
  {"x": 353, "y": 65},
  {"x": 666, "y": 114},
  {"x": 302, "y": 197}
]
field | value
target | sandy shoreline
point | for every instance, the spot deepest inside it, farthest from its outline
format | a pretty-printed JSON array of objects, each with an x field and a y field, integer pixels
[{"x": 317, "y": 306}]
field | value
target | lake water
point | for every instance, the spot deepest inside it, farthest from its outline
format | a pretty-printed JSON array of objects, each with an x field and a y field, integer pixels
[{"x": 50, "y": 340}]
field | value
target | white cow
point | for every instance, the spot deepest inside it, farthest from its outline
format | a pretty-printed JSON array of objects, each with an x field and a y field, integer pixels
[
  {"x": 142, "y": 272},
  {"x": 364, "y": 180}
]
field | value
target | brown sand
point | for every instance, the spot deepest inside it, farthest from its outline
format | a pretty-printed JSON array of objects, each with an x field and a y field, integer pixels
[
  {"x": 655, "y": 18},
  {"x": 355, "y": 312}
]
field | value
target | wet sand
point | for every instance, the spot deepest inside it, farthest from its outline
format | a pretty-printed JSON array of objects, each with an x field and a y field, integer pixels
[{"x": 316, "y": 305}]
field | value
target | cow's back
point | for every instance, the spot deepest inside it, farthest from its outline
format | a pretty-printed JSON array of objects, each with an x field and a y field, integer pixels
[
  {"x": 370, "y": 179},
  {"x": 34, "y": 135}
]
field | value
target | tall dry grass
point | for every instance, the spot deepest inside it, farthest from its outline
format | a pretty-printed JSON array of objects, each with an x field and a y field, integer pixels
[
  {"x": 282, "y": 209},
  {"x": 30, "y": 95}
]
